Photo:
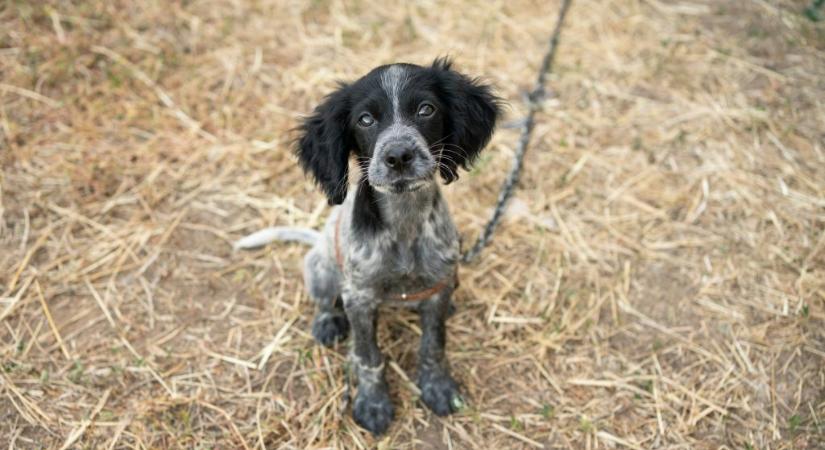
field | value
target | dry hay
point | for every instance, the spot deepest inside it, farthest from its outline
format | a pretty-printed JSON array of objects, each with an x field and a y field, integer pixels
[{"x": 659, "y": 281}]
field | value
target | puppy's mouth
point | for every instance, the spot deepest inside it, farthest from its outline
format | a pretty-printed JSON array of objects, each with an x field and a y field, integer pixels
[{"x": 401, "y": 186}]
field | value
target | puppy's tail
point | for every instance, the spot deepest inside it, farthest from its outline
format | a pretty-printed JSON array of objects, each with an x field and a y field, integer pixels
[{"x": 272, "y": 234}]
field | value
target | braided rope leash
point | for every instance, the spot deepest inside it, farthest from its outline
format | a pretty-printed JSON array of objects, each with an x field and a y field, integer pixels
[{"x": 534, "y": 102}]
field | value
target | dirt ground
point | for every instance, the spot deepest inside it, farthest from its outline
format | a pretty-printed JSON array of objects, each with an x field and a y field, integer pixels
[{"x": 657, "y": 283}]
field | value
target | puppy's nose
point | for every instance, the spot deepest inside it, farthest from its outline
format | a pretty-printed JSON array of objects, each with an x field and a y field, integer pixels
[{"x": 399, "y": 158}]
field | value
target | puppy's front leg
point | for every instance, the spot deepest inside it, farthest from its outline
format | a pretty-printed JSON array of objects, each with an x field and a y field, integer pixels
[
  {"x": 372, "y": 408},
  {"x": 439, "y": 391}
]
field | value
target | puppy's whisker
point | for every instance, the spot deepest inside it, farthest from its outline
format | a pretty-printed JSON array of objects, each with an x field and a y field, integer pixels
[
  {"x": 447, "y": 158},
  {"x": 456, "y": 150},
  {"x": 449, "y": 169},
  {"x": 459, "y": 153},
  {"x": 440, "y": 140}
]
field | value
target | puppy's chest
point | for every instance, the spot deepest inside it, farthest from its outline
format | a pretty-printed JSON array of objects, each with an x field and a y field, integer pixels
[{"x": 403, "y": 263}]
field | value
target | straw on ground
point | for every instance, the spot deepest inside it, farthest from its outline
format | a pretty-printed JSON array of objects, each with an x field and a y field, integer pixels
[{"x": 657, "y": 282}]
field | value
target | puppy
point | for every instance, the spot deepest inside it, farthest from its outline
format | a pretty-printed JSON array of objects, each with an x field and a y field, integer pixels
[{"x": 392, "y": 239}]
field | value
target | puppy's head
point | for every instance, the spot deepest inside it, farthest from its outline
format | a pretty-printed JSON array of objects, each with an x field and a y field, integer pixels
[{"x": 405, "y": 123}]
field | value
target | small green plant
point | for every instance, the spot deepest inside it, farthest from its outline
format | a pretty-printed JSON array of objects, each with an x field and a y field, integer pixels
[
  {"x": 516, "y": 424},
  {"x": 482, "y": 162},
  {"x": 657, "y": 345},
  {"x": 76, "y": 374},
  {"x": 794, "y": 422},
  {"x": 585, "y": 425},
  {"x": 813, "y": 11},
  {"x": 647, "y": 386},
  {"x": 458, "y": 403}
]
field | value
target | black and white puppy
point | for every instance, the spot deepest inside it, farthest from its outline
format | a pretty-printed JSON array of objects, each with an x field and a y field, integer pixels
[{"x": 392, "y": 240}]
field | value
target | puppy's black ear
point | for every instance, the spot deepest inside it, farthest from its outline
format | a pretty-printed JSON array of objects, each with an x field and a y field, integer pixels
[
  {"x": 325, "y": 143},
  {"x": 472, "y": 111}
]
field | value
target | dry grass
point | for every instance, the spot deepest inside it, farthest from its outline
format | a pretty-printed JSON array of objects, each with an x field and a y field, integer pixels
[{"x": 659, "y": 281}]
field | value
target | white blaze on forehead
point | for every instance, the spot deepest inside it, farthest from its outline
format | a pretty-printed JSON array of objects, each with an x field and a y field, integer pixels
[{"x": 392, "y": 81}]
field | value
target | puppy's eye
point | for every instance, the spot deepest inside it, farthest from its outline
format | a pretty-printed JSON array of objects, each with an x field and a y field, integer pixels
[
  {"x": 365, "y": 120},
  {"x": 426, "y": 110}
]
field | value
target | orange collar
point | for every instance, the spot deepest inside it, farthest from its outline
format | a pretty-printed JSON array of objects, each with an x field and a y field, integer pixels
[{"x": 415, "y": 296}]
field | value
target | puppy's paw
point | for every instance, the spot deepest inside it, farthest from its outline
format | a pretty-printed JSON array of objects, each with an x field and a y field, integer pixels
[
  {"x": 329, "y": 328},
  {"x": 373, "y": 409},
  {"x": 440, "y": 392}
]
